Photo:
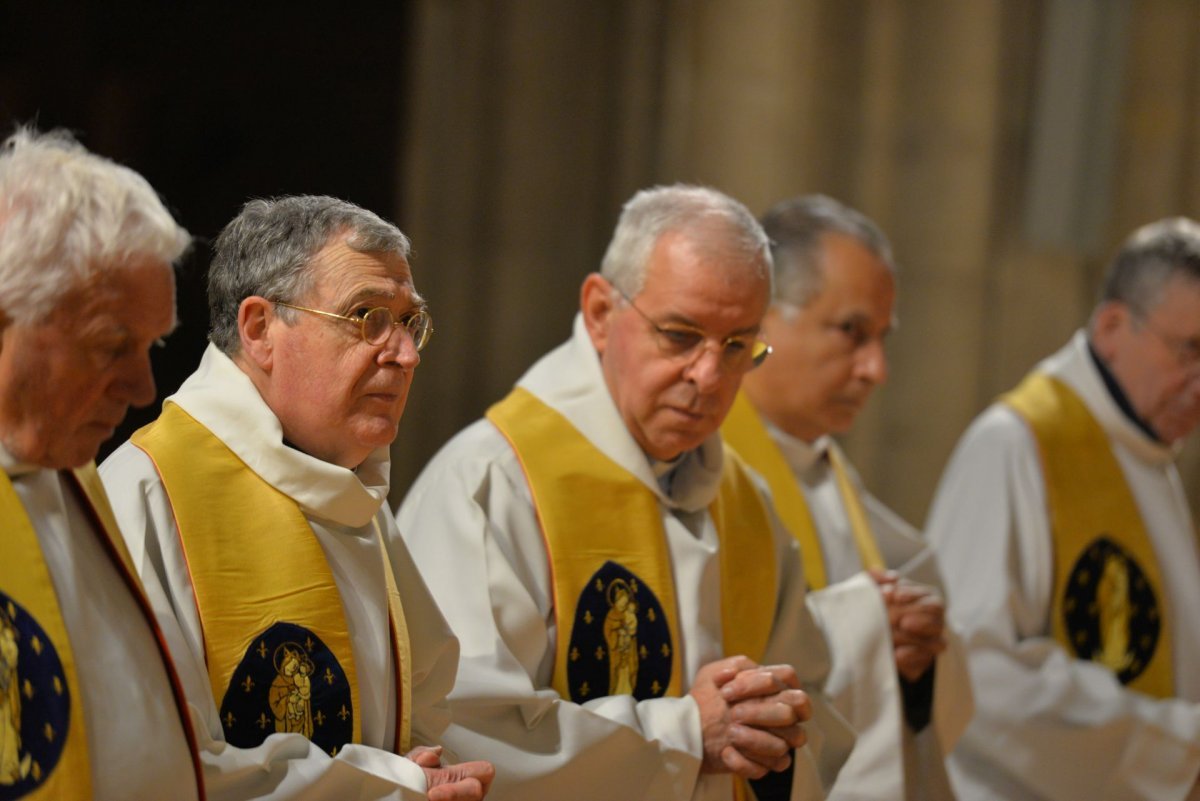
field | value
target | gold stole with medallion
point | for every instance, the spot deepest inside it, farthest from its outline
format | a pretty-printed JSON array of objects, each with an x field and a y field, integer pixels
[
  {"x": 1108, "y": 603},
  {"x": 254, "y": 563},
  {"x": 745, "y": 430},
  {"x": 33, "y": 605},
  {"x": 594, "y": 511}
]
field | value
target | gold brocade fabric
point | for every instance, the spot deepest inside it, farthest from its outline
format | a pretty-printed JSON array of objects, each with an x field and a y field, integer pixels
[
  {"x": 43, "y": 740},
  {"x": 276, "y": 640},
  {"x": 1109, "y": 606},
  {"x": 744, "y": 430},
  {"x": 860, "y": 527},
  {"x": 613, "y": 589}
]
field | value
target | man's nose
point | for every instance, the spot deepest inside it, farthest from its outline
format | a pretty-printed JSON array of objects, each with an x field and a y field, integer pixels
[
  {"x": 137, "y": 380},
  {"x": 706, "y": 370},
  {"x": 872, "y": 361},
  {"x": 400, "y": 348}
]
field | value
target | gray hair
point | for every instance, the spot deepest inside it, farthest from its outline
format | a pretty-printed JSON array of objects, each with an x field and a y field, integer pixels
[
  {"x": 268, "y": 250},
  {"x": 1150, "y": 257},
  {"x": 796, "y": 227},
  {"x": 67, "y": 215},
  {"x": 711, "y": 218}
]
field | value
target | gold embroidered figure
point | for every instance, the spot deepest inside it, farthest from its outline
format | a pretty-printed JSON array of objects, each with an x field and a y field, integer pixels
[
  {"x": 620, "y": 632},
  {"x": 12, "y": 767},
  {"x": 291, "y": 691},
  {"x": 1112, "y": 599}
]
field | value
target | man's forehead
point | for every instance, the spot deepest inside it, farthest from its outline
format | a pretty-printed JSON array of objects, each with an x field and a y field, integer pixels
[
  {"x": 1178, "y": 294},
  {"x": 347, "y": 272}
]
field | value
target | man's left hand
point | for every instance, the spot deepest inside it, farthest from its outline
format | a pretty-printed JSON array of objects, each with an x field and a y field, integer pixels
[{"x": 917, "y": 616}]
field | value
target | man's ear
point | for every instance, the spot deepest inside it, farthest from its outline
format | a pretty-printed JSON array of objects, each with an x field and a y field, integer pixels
[
  {"x": 596, "y": 303},
  {"x": 1109, "y": 320},
  {"x": 255, "y": 315}
]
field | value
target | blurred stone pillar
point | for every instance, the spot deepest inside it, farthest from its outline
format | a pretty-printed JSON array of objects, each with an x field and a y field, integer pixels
[
  {"x": 895, "y": 108},
  {"x": 1158, "y": 165},
  {"x": 528, "y": 123},
  {"x": 531, "y": 121}
]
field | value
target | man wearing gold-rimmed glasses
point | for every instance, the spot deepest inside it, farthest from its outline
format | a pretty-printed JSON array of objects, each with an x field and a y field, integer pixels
[
  {"x": 632, "y": 616},
  {"x": 255, "y": 505}
]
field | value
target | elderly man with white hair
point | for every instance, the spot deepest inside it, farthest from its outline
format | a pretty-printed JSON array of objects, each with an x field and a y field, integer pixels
[
  {"x": 631, "y": 613},
  {"x": 90, "y": 706}
]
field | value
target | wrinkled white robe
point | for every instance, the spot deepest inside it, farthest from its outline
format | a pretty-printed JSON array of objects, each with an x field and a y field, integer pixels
[
  {"x": 472, "y": 528},
  {"x": 1047, "y": 725},
  {"x": 888, "y": 760},
  {"x": 340, "y": 505}
]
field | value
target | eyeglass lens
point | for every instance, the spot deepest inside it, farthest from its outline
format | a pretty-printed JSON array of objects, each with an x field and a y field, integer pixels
[
  {"x": 379, "y": 322},
  {"x": 736, "y": 354}
]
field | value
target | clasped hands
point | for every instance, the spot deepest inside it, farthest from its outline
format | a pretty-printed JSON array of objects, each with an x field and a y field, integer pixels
[
  {"x": 917, "y": 615},
  {"x": 750, "y": 716}
]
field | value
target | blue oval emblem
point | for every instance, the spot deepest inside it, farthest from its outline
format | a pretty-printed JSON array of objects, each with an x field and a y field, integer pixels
[
  {"x": 288, "y": 681},
  {"x": 1110, "y": 610},
  {"x": 35, "y": 704},
  {"x": 620, "y": 641}
]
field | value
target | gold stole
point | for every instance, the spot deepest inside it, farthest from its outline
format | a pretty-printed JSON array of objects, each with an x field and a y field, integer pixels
[
  {"x": 745, "y": 430},
  {"x": 254, "y": 560},
  {"x": 592, "y": 510},
  {"x": 860, "y": 527},
  {"x": 1102, "y": 552},
  {"x": 25, "y": 578}
]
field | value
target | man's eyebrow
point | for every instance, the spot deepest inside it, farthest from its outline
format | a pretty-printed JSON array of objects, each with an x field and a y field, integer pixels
[
  {"x": 369, "y": 293},
  {"x": 864, "y": 319},
  {"x": 674, "y": 318}
]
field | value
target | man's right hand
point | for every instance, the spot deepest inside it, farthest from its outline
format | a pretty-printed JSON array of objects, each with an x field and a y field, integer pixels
[
  {"x": 750, "y": 716},
  {"x": 466, "y": 781}
]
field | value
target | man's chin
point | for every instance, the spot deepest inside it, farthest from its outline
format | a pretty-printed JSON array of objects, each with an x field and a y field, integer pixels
[
  {"x": 670, "y": 446},
  {"x": 380, "y": 433}
]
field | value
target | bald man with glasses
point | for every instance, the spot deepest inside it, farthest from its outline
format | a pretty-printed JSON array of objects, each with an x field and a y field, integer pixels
[
  {"x": 632, "y": 615},
  {"x": 255, "y": 509}
]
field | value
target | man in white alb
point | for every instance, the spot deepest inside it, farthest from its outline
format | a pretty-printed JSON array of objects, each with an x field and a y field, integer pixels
[
  {"x": 631, "y": 614},
  {"x": 89, "y": 707},
  {"x": 1070, "y": 555},
  {"x": 254, "y": 507},
  {"x": 872, "y": 579}
]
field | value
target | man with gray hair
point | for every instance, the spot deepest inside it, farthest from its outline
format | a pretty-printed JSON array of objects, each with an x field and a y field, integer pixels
[
  {"x": 89, "y": 706},
  {"x": 871, "y": 577},
  {"x": 255, "y": 505},
  {"x": 1070, "y": 555},
  {"x": 632, "y": 616}
]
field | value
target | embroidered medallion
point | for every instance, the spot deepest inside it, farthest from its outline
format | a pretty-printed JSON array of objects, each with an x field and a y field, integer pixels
[
  {"x": 1110, "y": 610},
  {"x": 35, "y": 705},
  {"x": 620, "y": 643},
  {"x": 288, "y": 681}
]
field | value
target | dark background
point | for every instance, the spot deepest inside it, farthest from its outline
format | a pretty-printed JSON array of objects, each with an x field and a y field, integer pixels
[{"x": 213, "y": 107}]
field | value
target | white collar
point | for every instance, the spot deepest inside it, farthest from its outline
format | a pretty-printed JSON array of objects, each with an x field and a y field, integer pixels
[
  {"x": 224, "y": 400},
  {"x": 1073, "y": 364},
  {"x": 569, "y": 380}
]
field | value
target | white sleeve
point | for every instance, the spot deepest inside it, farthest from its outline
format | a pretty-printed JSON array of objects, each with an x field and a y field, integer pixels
[
  {"x": 471, "y": 527},
  {"x": 802, "y": 639},
  {"x": 906, "y": 550},
  {"x": 285, "y": 767},
  {"x": 1046, "y": 723}
]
